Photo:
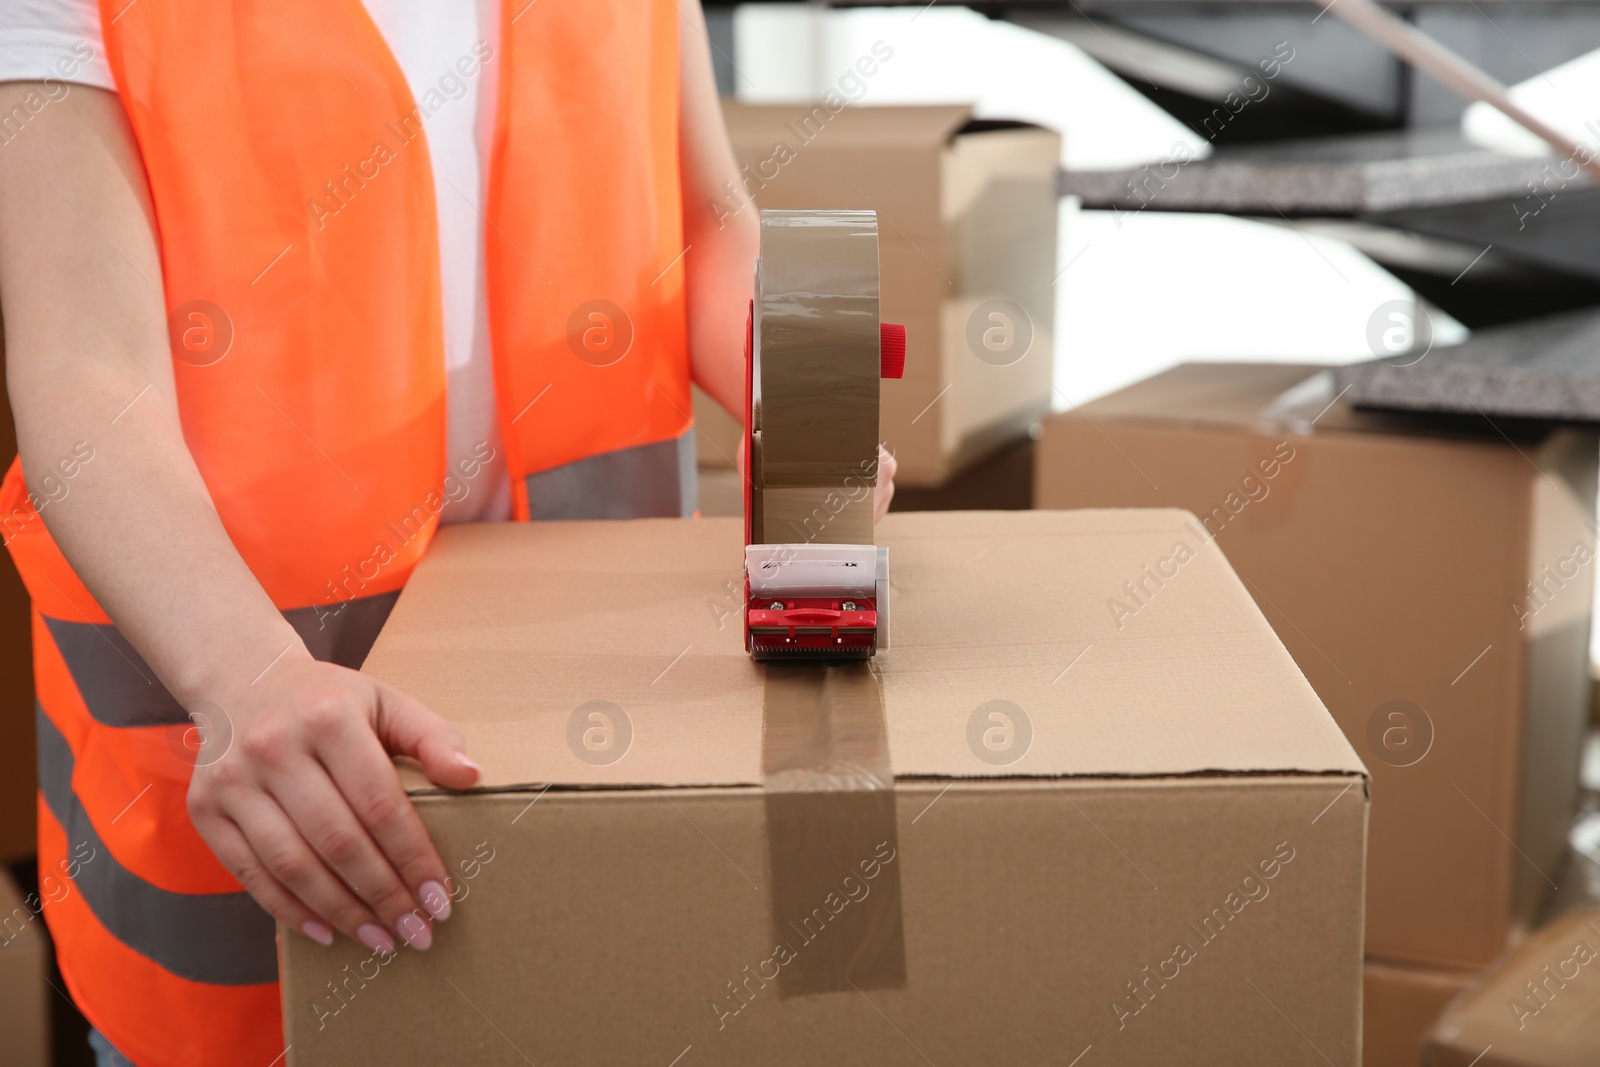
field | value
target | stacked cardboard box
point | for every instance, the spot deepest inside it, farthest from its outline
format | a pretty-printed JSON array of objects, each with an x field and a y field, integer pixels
[
  {"x": 1537, "y": 1007},
  {"x": 1399, "y": 1005},
  {"x": 1020, "y": 835},
  {"x": 967, "y": 244},
  {"x": 1435, "y": 586}
]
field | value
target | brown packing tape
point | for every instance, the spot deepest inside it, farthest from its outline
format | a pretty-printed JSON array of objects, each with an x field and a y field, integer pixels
[
  {"x": 818, "y": 514},
  {"x": 832, "y": 842},
  {"x": 816, "y": 374},
  {"x": 829, "y": 787}
]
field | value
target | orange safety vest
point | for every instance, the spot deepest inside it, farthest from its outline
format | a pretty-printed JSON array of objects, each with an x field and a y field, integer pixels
[{"x": 292, "y": 189}]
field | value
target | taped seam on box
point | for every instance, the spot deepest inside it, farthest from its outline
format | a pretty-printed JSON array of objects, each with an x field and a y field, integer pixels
[
  {"x": 833, "y": 848},
  {"x": 1298, "y": 407}
]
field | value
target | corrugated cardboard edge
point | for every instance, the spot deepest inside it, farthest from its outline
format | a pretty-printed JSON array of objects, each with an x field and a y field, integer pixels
[{"x": 417, "y": 785}]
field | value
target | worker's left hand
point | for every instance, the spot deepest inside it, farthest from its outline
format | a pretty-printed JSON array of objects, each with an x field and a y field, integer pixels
[{"x": 883, "y": 492}]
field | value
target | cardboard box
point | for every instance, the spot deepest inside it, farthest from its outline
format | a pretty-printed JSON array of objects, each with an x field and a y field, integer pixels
[
  {"x": 718, "y": 436},
  {"x": 988, "y": 846},
  {"x": 967, "y": 230},
  {"x": 1002, "y": 482},
  {"x": 24, "y": 1003},
  {"x": 1399, "y": 1005},
  {"x": 1395, "y": 564},
  {"x": 1539, "y": 1007},
  {"x": 721, "y": 494}
]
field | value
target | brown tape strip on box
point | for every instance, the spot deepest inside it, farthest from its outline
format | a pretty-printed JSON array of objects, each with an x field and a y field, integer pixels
[
  {"x": 833, "y": 848},
  {"x": 817, "y": 367}
]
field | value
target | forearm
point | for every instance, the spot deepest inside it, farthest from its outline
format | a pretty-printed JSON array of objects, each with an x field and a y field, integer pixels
[
  {"x": 720, "y": 263},
  {"x": 88, "y": 369},
  {"x": 139, "y": 529},
  {"x": 719, "y": 289}
]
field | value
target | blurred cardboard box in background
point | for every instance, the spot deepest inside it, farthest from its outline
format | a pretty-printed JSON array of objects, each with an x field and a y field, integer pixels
[
  {"x": 24, "y": 999},
  {"x": 1399, "y": 1005},
  {"x": 1069, "y": 845},
  {"x": 967, "y": 231},
  {"x": 1396, "y": 564},
  {"x": 1537, "y": 1007},
  {"x": 721, "y": 493}
]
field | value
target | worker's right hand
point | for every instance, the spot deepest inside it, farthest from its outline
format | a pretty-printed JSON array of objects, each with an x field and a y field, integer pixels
[{"x": 305, "y": 807}]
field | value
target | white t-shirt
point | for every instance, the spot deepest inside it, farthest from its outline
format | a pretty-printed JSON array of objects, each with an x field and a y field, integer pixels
[{"x": 48, "y": 38}]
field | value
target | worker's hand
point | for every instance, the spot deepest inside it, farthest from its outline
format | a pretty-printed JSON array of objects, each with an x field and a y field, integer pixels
[
  {"x": 884, "y": 491},
  {"x": 306, "y": 810}
]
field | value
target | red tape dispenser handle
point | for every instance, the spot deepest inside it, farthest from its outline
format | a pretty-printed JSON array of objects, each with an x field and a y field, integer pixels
[{"x": 891, "y": 349}]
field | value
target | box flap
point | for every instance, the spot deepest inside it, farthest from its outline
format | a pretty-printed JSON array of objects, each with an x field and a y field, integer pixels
[
  {"x": 508, "y": 629},
  {"x": 1229, "y": 393},
  {"x": 1283, "y": 395},
  {"x": 851, "y": 127},
  {"x": 1107, "y": 642}
]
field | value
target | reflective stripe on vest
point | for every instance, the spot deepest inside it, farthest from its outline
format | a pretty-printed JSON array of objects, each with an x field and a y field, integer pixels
[
  {"x": 116, "y": 983},
  {"x": 120, "y": 688},
  {"x": 647, "y": 481},
  {"x": 136, "y": 949},
  {"x": 220, "y": 938}
]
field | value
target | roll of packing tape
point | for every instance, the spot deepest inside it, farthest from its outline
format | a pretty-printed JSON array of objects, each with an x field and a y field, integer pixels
[
  {"x": 830, "y": 801},
  {"x": 816, "y": 347}
]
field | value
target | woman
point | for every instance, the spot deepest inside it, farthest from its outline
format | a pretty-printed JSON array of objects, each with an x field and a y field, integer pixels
[{"x": 287, "y": 283}]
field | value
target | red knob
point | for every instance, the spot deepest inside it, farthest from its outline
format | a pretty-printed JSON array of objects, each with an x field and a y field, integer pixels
[{"x": 892, "y": 349}]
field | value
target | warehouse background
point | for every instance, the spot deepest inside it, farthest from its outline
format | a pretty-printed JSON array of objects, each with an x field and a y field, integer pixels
[{"x": 1191, "y": 211}]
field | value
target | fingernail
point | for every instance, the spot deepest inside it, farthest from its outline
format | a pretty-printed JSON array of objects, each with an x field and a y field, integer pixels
[
  {"x": 416, "y": 932},
  {"x": 461, "y": 758},
  {"x": 317, "y": 932},
  {"x": 436, "y": 900},
  {"x": 376, "y": 938}
]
